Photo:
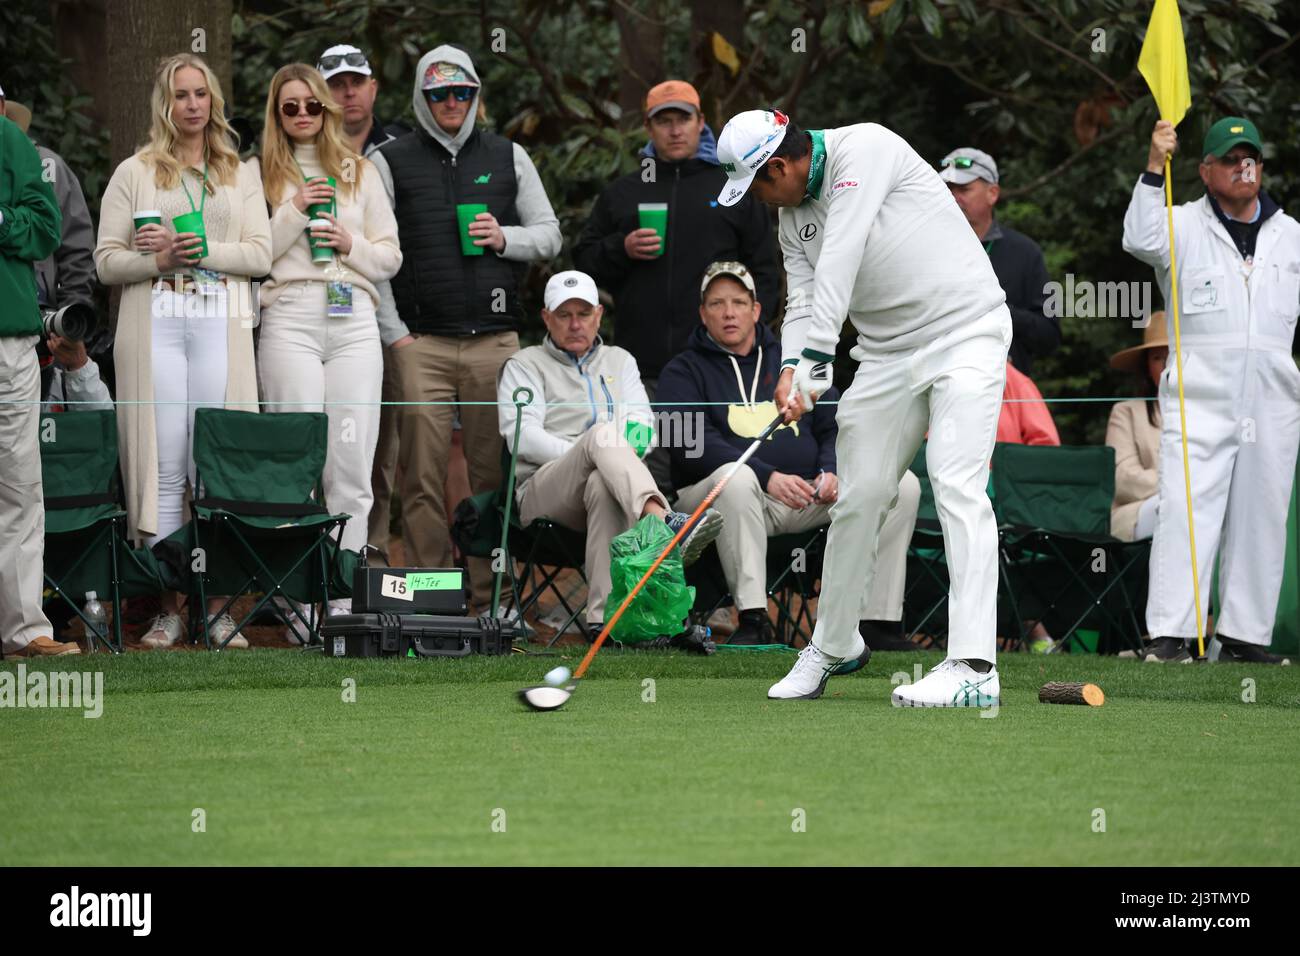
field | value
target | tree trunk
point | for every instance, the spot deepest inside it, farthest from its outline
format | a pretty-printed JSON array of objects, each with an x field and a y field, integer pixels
[
  {"x": 641, "y": 57},
  {"x": 79, "y": 29},
  {"x": 715, "y": 80},
  {"x": 142, "y": 32}
]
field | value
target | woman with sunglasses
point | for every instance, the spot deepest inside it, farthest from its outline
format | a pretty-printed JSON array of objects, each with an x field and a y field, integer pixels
[
  {"x": 184, "y": 332},
  {"x": 319, "y": 348}
]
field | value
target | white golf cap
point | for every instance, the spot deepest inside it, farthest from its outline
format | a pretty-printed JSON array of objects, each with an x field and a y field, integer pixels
[
  {"x": 343, "y": 58},
  {"x": 734, "y": 270},
  {"x": 563, "y": 286},
  {"x": 748, "y": 141},
  {"x": 965, "y": 165}
]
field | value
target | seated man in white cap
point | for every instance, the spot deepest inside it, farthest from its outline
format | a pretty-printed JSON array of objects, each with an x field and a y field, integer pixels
[{"x": 584, "y": 434}]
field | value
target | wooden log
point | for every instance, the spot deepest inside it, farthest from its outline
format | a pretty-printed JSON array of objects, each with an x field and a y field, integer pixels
[{"x": 1061, "y": 692}]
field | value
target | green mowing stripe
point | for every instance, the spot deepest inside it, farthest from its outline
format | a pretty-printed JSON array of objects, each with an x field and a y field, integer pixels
[{"x": 711, "y": 772}]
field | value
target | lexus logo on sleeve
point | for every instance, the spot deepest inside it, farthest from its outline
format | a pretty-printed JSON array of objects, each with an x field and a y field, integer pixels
[{"x": 808, "y": 231}]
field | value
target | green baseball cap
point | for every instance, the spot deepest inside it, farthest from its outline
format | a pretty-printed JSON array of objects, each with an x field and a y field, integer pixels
[{"x": 1227, "y": 133}]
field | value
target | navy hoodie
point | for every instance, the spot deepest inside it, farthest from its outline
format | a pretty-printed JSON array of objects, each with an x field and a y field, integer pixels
[{"x": 706, "y": 372}]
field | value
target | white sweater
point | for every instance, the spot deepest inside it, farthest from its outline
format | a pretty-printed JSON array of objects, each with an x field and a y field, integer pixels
[
  {"x": 885, "y": 243},
  {"x": 375, "y": 256}
]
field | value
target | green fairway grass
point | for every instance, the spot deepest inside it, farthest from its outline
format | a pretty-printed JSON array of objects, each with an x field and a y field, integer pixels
[{"x": 437, "y": 763}]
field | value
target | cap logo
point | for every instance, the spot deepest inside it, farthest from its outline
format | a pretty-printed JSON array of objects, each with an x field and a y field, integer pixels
[
  {"x": 1236, "y": 129},
  {"x": 570, "y": 282},
  {"x": 729, "y": 167}
]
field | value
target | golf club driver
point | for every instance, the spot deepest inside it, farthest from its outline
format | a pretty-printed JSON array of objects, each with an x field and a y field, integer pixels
[{"x": 548, "y": 697}]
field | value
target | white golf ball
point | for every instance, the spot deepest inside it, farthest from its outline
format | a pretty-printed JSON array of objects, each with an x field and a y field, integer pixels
[{"x": 557, "y": 677}]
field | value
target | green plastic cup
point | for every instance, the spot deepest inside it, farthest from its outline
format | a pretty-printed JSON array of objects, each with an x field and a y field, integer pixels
[
  {"x": 654, "y": 215},
  {"x": 145, "y": 217},
  {"x": 314, "y": 211},
  {"x": 193, "y": 222},
  {"x": 465, "y": 213},
  {"x": 319, "y": 253}
]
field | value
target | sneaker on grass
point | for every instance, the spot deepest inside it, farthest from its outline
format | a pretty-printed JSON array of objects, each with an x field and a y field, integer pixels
[
  {"x": 165, "y": 631},
  {"x": 1232, "y": 651},
  {"x": 1167, "y": 650},
  {"x": 953, "y": 683},
  {"x": 812, "y": 669},
  {"x": 222, "y": 628}
]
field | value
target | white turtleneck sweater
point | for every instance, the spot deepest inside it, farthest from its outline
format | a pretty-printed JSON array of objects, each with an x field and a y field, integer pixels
[{"x": 375, "y": 254}]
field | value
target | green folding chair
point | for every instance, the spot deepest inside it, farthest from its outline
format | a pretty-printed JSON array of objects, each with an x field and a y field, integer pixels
[
  {"x": 794, "y": 570},
  {"x": 257, "y": 522},
  {"x": 86, "y": 548},
  {"x": 1058, "y": 561}
]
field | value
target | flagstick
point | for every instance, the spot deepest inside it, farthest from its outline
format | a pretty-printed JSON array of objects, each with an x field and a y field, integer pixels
[{"x": 1182, "y": 411}]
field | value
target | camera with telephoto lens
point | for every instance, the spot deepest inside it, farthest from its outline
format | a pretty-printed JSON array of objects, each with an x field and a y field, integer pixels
[{"x": 74, "y": 321}]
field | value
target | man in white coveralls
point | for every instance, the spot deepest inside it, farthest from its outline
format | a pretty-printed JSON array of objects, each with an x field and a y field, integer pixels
[{"x": 869, "y": 230}]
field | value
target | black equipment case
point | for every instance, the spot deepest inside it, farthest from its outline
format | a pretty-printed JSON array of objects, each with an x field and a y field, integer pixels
[
  {"x": 408, "y": 591},
  {"x": 415, "y": 635}
]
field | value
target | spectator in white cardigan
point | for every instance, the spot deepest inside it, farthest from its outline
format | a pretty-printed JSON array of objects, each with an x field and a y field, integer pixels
[{"x": 184, "y": 335}]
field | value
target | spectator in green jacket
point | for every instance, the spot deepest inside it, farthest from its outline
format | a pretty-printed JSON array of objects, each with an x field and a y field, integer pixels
[{"x": 30, "y": 230}]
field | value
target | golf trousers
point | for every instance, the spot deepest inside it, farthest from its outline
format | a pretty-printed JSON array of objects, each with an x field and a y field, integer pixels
[
  {"x": 189, "y": 372},
  {"x": 435, "y": 371},
  {"x": 952, "y": 389},
  {"x": 751, "y": 516},
  {"x": 384, "y": 472},
  {"x": 599, "y": 485},
  {"x": 22, "y": 508},
  {"x": 309, "y": 362},
  {"x": 1243, "y": 427}
]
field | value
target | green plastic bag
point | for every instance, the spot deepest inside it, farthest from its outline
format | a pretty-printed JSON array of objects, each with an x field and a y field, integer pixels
[{"x": 661, "y": 606}]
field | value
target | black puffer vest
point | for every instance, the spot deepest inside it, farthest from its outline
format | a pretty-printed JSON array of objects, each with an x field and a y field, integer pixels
[{"x": 438, "y": 290}]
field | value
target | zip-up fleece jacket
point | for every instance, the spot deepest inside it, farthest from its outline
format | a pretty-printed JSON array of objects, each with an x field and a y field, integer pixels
[{"x": 570, "y": 395}]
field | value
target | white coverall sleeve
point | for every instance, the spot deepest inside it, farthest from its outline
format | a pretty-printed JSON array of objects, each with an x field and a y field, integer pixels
[{"x": 1146, "y": 225}]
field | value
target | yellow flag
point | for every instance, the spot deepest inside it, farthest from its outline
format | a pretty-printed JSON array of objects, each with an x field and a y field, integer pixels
[{"x": 1163, "y": 62}]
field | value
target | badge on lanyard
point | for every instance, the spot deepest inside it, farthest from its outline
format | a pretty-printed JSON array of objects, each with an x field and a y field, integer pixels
[
  {"x": 207, "y": 281},
  {"x": 338, "y": 299}
]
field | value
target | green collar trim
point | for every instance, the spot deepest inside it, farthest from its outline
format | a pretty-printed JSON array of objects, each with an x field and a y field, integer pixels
[{"x": 817, "y": 169}]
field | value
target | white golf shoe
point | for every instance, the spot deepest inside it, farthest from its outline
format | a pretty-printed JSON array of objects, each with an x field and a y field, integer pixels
[
  {"x": 953, "y": 683},
  {"x": 812, "y": 669}
]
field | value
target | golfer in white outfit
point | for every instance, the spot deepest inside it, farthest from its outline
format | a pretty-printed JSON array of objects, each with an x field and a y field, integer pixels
[
  {"x": 1238, "y": 258},
  {"x": 869, "y": 230}
]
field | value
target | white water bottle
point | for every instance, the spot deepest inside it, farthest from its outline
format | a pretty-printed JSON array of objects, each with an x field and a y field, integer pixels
[{"x": 97, "y": 621}]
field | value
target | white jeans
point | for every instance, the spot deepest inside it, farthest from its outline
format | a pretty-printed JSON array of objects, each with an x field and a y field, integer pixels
[
  {"x": 952, "y": 388},
  {"x": 751, "y": 516},
  {"x": 189, "y": 372},
  {"x": 308, "y": 362},
  {"x": 22, "y": 513}
]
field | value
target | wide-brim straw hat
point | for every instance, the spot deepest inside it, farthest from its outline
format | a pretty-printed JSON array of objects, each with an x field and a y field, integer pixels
[
  {"x": 1154, "y": 336},
  {"x": 18, "y": 114}
]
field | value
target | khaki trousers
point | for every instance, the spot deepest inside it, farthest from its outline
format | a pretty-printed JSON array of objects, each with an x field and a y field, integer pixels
[
  {"x": 22, "y": 506},
  {"x": 750, "y": 517},
  {"x": 600, "y": 486},
  {"x": 441, "y": 369}
]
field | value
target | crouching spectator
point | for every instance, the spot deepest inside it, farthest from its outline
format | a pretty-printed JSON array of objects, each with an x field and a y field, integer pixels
[
  {"x": 576, "y": 464},
  {"x": 727, "y": 376}
]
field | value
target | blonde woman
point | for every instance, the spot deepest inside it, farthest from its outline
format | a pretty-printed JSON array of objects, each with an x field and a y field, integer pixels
[
  {"x": 184, "y": 331},
  {"x": 320, "y": 347}
]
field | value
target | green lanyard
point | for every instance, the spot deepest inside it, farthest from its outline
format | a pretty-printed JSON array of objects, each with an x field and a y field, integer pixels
[{"x": 203, "y": 199}]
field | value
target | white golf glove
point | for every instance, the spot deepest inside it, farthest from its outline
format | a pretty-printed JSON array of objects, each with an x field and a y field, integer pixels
[{"x": 812, "y": 377}]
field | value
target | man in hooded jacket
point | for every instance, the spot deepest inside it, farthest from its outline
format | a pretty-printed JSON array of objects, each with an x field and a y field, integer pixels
[{"x": 453, "y": 319}]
